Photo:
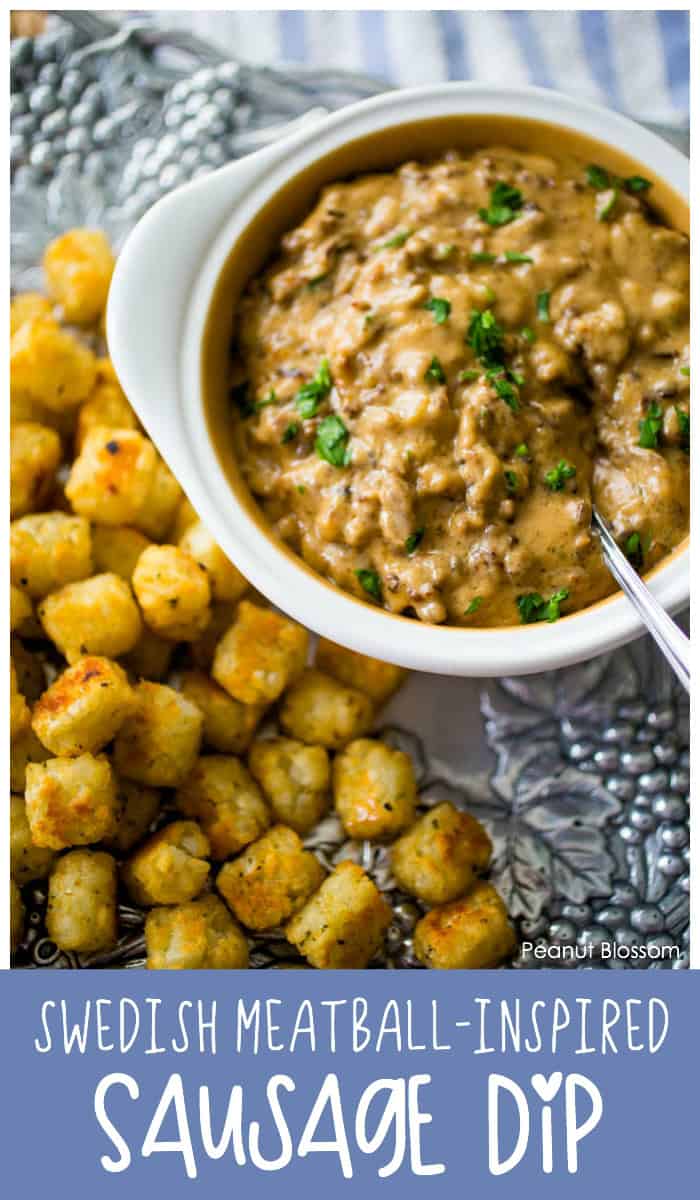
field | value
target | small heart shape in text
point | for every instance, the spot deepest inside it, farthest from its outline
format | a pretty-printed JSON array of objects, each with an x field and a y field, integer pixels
[{"x": 547, "y": 1088}]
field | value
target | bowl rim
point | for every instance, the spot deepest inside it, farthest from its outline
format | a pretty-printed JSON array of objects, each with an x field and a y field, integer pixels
[{"x": 281, "y": 575}]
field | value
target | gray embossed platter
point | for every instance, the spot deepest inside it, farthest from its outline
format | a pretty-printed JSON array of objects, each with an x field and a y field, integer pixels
[{"x": 580, "y": 775}]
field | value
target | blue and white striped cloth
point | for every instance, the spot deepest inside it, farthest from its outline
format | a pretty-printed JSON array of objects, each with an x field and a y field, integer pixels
[{"x": 634, "y": 61}]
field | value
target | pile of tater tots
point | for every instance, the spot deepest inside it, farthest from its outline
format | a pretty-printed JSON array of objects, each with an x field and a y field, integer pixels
[{"x": 151, "y": 691}]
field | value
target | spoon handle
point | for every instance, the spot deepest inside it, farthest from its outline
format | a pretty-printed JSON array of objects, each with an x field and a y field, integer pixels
[{"x": 671, "y": 640}]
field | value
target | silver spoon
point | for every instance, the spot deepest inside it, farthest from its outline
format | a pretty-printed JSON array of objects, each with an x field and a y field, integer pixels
[{"x": 672, "y": 642}]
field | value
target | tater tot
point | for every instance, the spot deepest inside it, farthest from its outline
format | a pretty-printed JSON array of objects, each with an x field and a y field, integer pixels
[
  {"x": 438, "y": 859},
  {"x": 150, "y": 657},
  {"x": 159, "y": 743},
  {"x": 71, "y": 801},
  {"x": 49, "y": 366},
  {"x": 173, "y": 593},
  {"x": 25, "y": 749},
  {"x": 185, "y": 515},
  {"x": 25, "y": 306},
  {"x": 377, "y": 679},
  {"x": 105, "y": 408},
  {"x": 78, "y": 267},
  {"x": 201, "y": 652},
  {"x": 137, "y": 808},
  {"x": 295, "y": 779},
  {"x": 81, "y": 914},
  {"x": 170, "y": 867},
  {"x": 105, "y": 370},
  {"x": 116, "y": 549},
  {"x": 19, "y": 710},
  {"x": 158, "y": 510},
  {"x": 24, "y": 408},
  {"x": 259, "y": 655},
  {"x": 228, "y": 725},
  {"x": 21, "y": 609},
  {"x": 319, "y": 710},
  {"x": 111, "y": 478},
  {"x": 226, "y": 581},
  {"x": 374, "y": 789},
  {"x": 48, "y": 550},
  {"x": 201, "y": 935},
  {"x": 35, "y": 452},
  {"x": 27, "y": 861},
  {"x": 344, "y": 922},
  {"x": 225, "y": 799},
  {"x": 472, "y": 933},
  {"x": 94, "y": 616},
  {"x": 270, "y": 880},
  {"x": 84, "y": 707}
]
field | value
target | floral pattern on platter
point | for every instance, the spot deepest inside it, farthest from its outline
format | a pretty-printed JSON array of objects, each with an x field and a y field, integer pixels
[
  {"x": 587, "y": 796},
  {"x": 103, "y": 128},
  {"x": 621, "y": 724}
]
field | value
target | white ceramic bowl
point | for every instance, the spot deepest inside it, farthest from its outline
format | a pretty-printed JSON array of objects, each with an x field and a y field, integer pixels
[{"x": 158, "y": 307}]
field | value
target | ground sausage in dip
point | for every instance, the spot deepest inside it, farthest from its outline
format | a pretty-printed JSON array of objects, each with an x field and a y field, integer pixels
[{"x": 447, "y": 364}]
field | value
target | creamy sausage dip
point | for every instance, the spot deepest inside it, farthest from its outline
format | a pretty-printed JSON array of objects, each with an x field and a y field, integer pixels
[{"x": 444, "y": 366}]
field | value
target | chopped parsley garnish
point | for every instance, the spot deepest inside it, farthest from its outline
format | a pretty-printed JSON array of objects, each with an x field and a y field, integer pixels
[
  {"x": 473, "y": 606},
  {"x": 482, "y": 257},
  {"x": 685, "y": 371},
  {"x": 683, "y": 419},
  {"x": 444, "y": 250},
  {"x": 270, "y": 398},
  {"x": 439, "y": 308},
  {"x": 468, "y": 376},
  {"x": 371, "y": 582},
  {"x": 435, "y": 373},
  {"x": 606, "y": 203},
  {"x": 317, "y": 281},
  {"x": 556, "y": 478},
  {"x": 543, "y": 306},
  {"x": 637, "y": 183},
  {"x": 485, "y": 336},
  {"x": 650, "y": 428},
  {"x": 502, "y": 379},
  {"x": 240, "y": 396},
  {"x": 528, "y": 334},
  {"x": 513, "y": 257},
  {"x": 532, "y": 607},
  {"x": 505, "y": 203},
  {"x": 601, "y": 180},
  {"x": 397, "y": 241},
  {"x": 301, "y": 489},
  {"x": 521, "y": 451},
  {"x": 511, "y": 479},
  {"x": 505, "y": 385},
  {"x": 529, "y": 606},
  {"x": 414, "y": 540},
  {"x": 313, "y": 393},
  {"x": 634, "y": 550},
  {"x": 332, "y": 439},
  {"x": 290, "y": 432},
  {"x": 597, "y": 177}
]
